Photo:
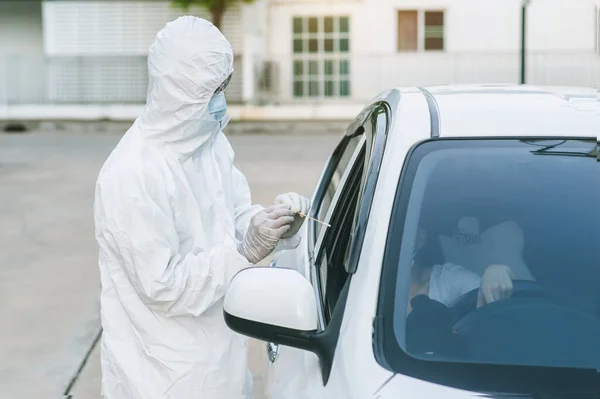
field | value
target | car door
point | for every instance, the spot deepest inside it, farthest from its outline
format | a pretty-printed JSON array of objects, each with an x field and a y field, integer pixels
[{"x": 337, "y": 201}]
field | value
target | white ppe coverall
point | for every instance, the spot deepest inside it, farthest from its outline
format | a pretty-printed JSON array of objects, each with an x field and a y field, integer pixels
[{"x": 169, "y": 211}]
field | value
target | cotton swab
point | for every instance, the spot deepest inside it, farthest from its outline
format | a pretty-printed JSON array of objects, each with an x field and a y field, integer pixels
[
  {"x": 312, "y": 218},
  {"x": 308, "y": 217}
]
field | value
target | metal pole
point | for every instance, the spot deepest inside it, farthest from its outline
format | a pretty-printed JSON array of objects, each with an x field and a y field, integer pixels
[{"x": 523, "y": 39}]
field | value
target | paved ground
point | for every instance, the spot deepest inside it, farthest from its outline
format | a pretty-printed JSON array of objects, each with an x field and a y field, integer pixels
[{"x": 49, "y": 283}]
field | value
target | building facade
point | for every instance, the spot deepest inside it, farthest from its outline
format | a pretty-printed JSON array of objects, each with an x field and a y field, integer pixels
[
  {"x": 21, "y": 52},
  {"x": 89, "y": 52},
  {"x": 341, "y": 50},
  {"x": 298, "y": 51}
]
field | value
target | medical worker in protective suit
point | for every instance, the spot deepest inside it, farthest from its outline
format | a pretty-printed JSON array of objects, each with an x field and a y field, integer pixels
[{"x": 174, "y": 223}]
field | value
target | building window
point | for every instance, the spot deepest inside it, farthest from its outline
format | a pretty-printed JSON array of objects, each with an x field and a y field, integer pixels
[
  {"x": 408, "y": 30},
  {"x": 420, "y": 30},
  {"x": 321, "y": 65}
]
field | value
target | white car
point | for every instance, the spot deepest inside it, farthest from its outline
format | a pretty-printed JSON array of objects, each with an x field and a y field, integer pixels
[{"x": 427, "y": 188}]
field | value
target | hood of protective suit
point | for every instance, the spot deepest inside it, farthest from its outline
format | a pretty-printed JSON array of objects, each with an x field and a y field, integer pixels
[{"x": 187, "y": 62}]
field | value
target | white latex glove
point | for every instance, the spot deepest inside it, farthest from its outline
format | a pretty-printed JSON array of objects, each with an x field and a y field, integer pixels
[
  {"x": 496, "y": 284},
  {"x": 265, "y": 230},
  {"x": 297, "y": 204}
]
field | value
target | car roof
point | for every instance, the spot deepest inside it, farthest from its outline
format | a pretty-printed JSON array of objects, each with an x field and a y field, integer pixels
[{"x": 513, "y": 110}]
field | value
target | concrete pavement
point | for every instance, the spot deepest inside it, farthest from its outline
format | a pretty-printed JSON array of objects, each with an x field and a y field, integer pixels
[{"x": 49, "y": 283}]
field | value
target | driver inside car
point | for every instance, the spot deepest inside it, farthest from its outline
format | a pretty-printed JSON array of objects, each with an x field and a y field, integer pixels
[{"x": 447, "y": 282}]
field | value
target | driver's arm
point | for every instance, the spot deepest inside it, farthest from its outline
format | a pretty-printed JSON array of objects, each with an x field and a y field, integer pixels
[{"x": 449, "y": 282}]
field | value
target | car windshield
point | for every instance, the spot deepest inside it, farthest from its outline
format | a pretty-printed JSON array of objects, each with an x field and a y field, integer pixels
[{"x": 496, "y": 253}]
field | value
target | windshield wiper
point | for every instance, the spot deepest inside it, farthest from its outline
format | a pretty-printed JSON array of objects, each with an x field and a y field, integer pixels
[
  {"x": 549, "y": 149},
  {"x": 591, "y": 154}
]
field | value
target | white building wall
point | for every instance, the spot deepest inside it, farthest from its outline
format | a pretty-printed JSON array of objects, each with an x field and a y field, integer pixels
[
  {"x": 482, "y": 42},
  {"x": 118, "y": 27},
  {"x": 254, "y": 17},
  {"x": 97, "y": 49},
  {"x": 562, "y": 25},
  {"x": 470, "y": 25},
  {"x": 21, "y": 51}
]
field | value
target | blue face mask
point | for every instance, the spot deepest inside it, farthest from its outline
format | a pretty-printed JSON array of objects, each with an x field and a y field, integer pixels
[{"x": 217, "y": 106}]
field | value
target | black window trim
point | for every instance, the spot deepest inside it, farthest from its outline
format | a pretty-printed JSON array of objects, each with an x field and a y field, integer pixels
[
  {"x": 389, "y": 103},
  {"x": 479, "y": 377},
  {"x": 372, "y": 175},
  {"x": 315, "y": 243},
  {"x": 342, "y": 208},
  {"x": 330, "y": 332}
]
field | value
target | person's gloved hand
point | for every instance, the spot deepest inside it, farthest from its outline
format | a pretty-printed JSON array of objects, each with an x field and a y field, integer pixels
[
  {"x": 496, "y": 284},
  {"x": 265, "y": 230},
  {"x": 297, "y": 204}
]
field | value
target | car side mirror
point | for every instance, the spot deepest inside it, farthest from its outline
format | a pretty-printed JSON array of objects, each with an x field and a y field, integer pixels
[
  {"x": 272, "y": 304},
  {"x": 278, "y": 305}
]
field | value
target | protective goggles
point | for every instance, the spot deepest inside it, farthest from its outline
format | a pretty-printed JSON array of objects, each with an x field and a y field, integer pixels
[{"x": 224, "y": 85}]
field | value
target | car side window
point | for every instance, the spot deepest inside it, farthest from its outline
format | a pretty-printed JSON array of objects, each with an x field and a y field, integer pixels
[
  {"x": 333, "y": 249},
  {"x": 339, "y": 207},
  {"x": 348, "y": 150},
  {"x": 338, "y": 201}
]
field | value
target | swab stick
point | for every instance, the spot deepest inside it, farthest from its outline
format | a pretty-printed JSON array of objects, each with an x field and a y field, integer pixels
[
  {"x": 308, "y": 217},
  {"x": 316, "y": 220}
]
